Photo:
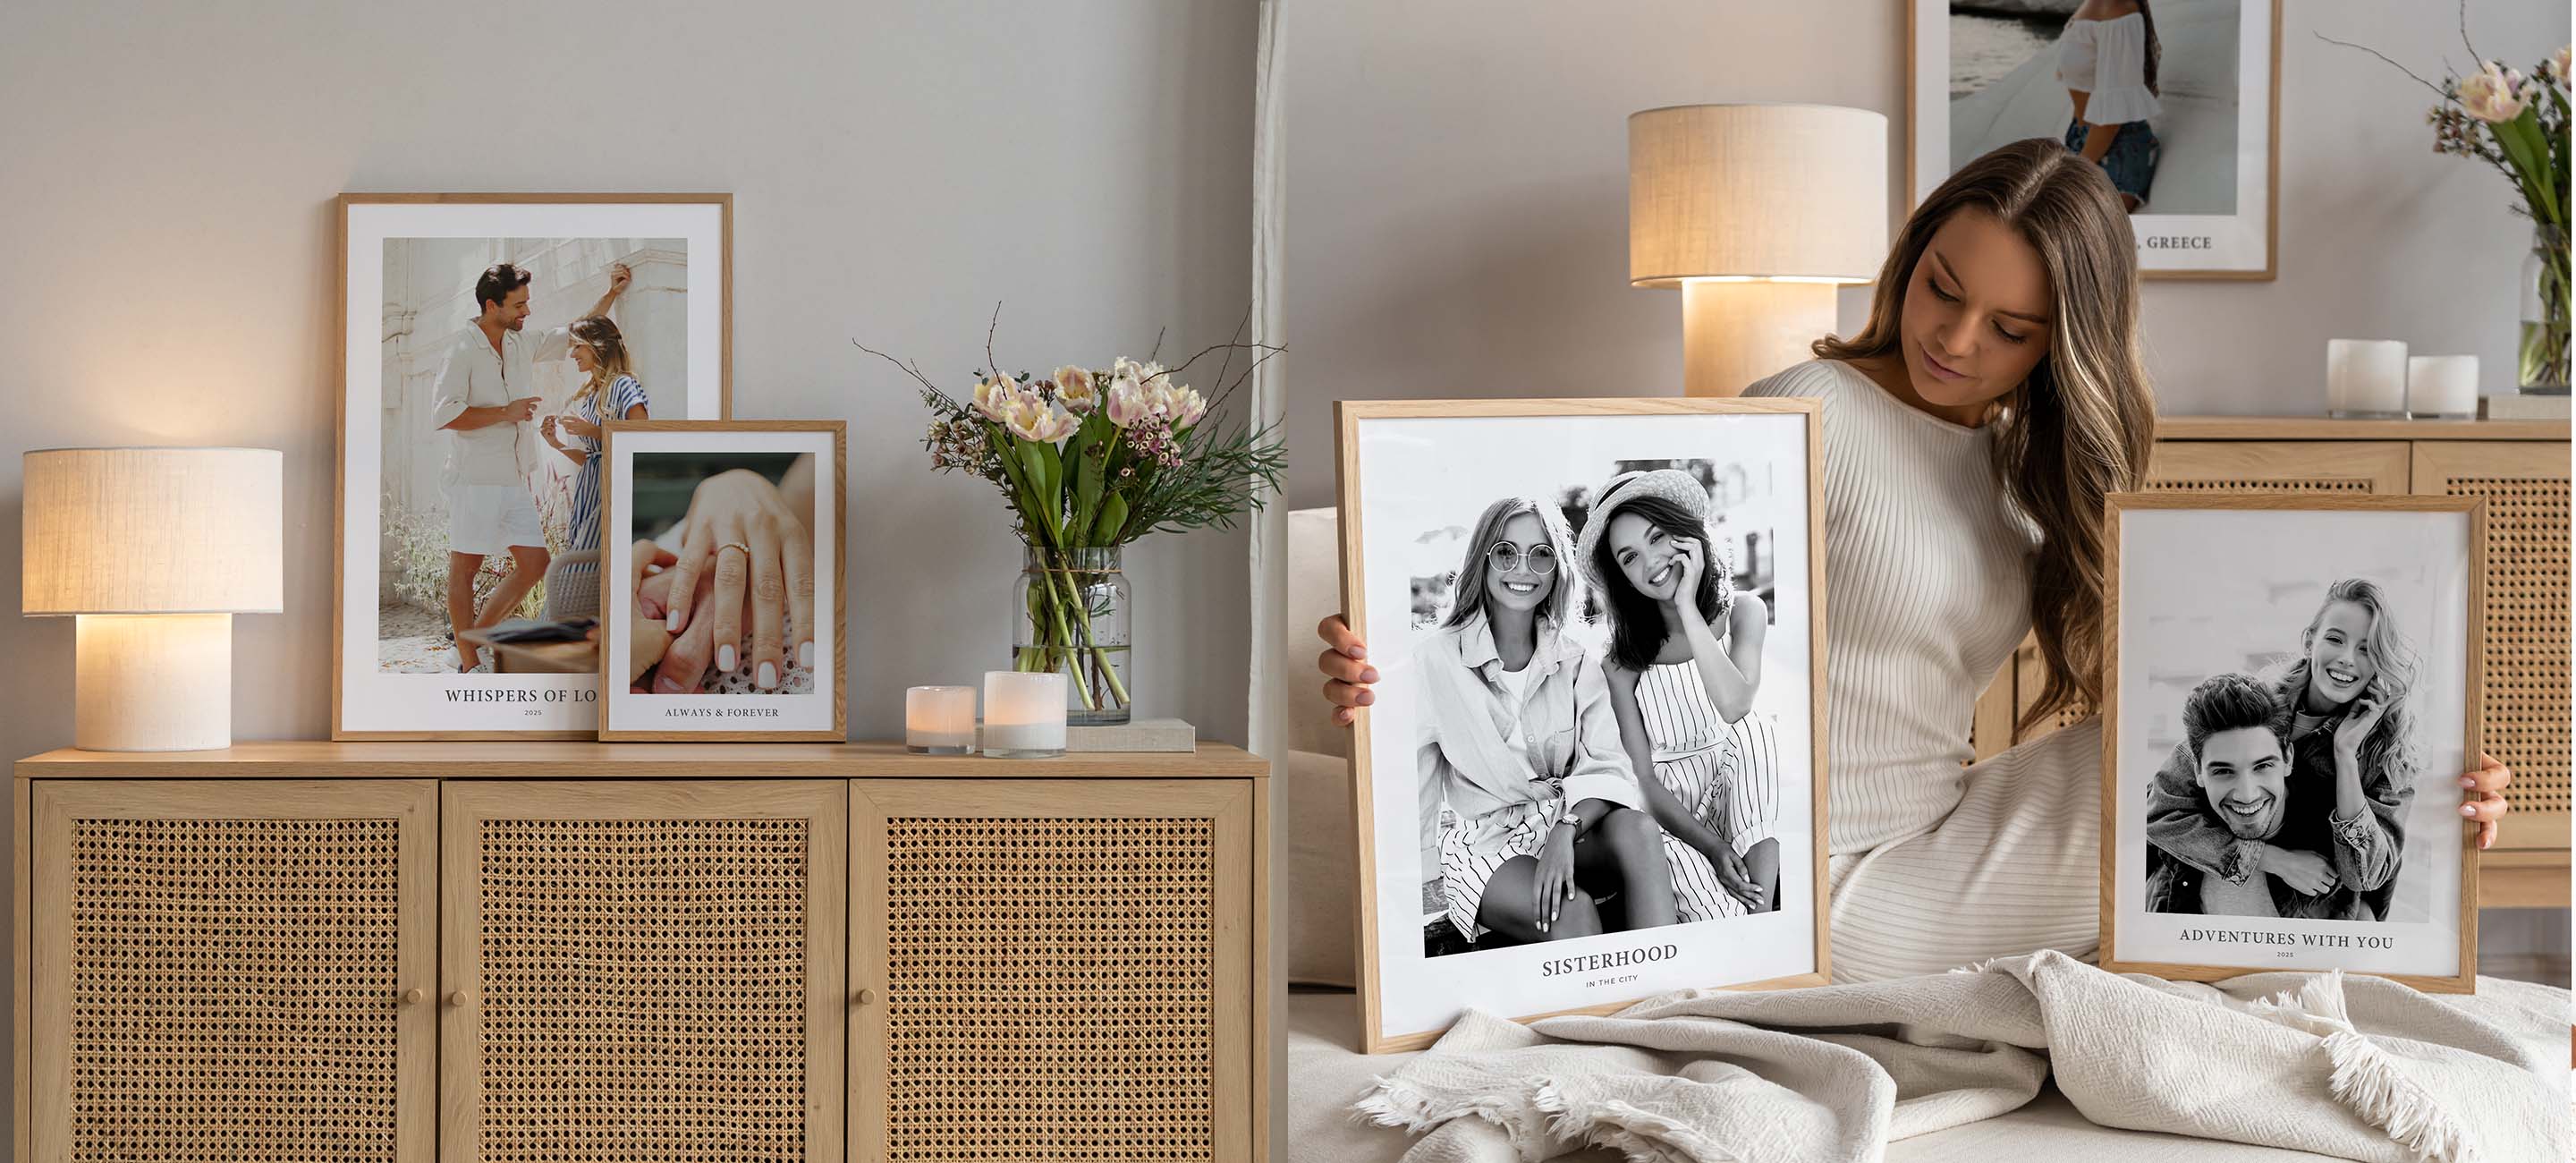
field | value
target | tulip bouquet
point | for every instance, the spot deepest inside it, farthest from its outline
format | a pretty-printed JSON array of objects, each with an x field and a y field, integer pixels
[
  {"x": 1090, "y": 460},
  {"x": 2518, "y": 124}
]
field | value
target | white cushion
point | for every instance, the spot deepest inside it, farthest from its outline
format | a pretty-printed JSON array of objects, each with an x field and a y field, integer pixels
[{"x": 1321, "y": 894}]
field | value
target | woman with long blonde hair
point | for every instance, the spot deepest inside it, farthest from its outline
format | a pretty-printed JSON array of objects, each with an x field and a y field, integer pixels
[
  {"x": 1972, "y": 430},
  {"x": 1520, "y": 748},
  {"x": 609, "y": 391}
]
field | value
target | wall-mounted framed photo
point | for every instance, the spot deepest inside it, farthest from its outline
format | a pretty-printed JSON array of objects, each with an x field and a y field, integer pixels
[
  {"x": 2290, "y": 695},
  {"x": 1594, "y": 770},
  {"x": 722, "y": 581},
  {"x": 2179, "y": 102},
  {"x": 485, "y": 340}
]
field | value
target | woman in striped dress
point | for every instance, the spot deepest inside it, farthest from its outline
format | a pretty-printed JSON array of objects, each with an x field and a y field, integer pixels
[
  {"x": 610, "y": 390},
  {"x": 1972, "y": 429},
  {"x": 1684, "y": 661}
]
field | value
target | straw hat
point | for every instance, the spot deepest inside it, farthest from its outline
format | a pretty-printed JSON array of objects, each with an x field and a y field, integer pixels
[{"x": 1671, "y": 484}]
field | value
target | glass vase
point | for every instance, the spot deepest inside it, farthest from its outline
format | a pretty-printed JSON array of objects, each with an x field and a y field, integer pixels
[
  {"x": 2544, "y": 313},
  {"x": 1075, "y": 616}
]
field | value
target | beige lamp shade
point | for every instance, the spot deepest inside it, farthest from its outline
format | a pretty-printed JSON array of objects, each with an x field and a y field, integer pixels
[
  {"x": 153, "y": 531},
  {"x": 1794, "y": 192},
  {"x": 1755, "y": 212}
]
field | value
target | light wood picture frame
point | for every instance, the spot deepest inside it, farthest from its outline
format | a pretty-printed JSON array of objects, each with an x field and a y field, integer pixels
[
  {"x": 408, "y": 314},
  {"x": 2226, "y": 849},
  {"x": 1415, "y": 482},
  {"x": 718, "y": 482},
  {"x": 2213, "y": 198}
]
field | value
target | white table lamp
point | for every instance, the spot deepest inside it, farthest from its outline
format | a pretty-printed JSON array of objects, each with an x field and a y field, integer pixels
[
  {"x": 1756, "y": 212},
  {"x": 155, "y": 550}
]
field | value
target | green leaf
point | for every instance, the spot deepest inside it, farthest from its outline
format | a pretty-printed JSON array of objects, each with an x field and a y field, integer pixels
[
  {"x": 1113, "y": 518},
  {"x": 1034, "y": 458},
  {"x": 1086, "y": 480},
  {"x": 2524, "y": 145}
]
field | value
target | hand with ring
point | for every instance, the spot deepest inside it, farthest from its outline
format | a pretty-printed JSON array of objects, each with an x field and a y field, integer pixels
[{"x": 759, "y": 552}]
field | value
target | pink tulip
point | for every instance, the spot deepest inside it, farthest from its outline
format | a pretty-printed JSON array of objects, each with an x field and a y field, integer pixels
[
  {"x": 994, "y": 398},
  {"x": 2493, "y": 93}
]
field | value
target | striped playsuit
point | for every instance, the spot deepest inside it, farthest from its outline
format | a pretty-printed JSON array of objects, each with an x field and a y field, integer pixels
[{"x": 1725, "y": 774}]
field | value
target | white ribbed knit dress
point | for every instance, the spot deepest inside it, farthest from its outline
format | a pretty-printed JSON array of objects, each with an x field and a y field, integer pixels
[{"x": 1927, "y": 575}]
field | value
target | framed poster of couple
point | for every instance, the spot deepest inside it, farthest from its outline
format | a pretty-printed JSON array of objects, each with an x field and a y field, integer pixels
[
  {"x": 1594, "y": 769},
  {"x": 486, "y": 340},
  {"x": 2290, "y": 695}
]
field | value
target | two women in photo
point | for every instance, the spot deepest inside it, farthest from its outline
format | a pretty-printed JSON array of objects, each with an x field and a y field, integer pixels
[
  {"x": 2288, "y": 796},
  {"x": 1587, "y": 794}
]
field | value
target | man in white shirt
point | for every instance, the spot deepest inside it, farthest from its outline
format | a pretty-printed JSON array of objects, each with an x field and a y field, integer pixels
[{"x": 486, "y": 390}]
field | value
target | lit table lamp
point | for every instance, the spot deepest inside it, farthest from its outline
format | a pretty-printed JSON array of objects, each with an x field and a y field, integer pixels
[
  {"x": 155, "y": 549},
  {"x": 1756, "y": 212}
]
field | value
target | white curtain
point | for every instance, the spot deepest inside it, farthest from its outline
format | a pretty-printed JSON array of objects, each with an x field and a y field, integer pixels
[{"x": 1266, "y": 732}]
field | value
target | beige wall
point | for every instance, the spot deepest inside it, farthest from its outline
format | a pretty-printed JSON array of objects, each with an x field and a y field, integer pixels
[
  {"x": 1457, "y": 206},
  {"x": 166, "y": 181},
  {"x": 896, "y": 169}
]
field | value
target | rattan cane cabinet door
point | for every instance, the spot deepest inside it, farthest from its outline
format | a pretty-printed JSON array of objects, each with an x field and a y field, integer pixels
[
  {"x": 233, "y": 970},
  {"x": 1051, "y": 969},
  {"x": 2525, "y": 703},
  {"x": 646, "y": 970}
]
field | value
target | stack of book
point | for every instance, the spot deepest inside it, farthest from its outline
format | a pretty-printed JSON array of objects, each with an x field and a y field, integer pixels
[{"x": 2523, "y": 406}]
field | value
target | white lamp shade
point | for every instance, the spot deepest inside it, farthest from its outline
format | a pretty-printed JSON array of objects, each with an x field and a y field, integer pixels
[
  {"x": 153, "y": 531},
  {"x": 1795, "y": 192}
]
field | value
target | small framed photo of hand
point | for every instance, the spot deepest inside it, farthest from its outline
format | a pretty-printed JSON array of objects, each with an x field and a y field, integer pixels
[
  {"x": 2289, "y": 699},
  {"x": 722, "y": 581},
  {"x": 1594, "y": 771}
]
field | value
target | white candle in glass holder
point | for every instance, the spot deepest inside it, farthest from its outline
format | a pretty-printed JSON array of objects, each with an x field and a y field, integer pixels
[
  {"x": 939, "y": 720},
  {"x": 2366, "y": 378},
  {"x": 2442, "y": 386},
  {"x": 1023, "y": 714}
]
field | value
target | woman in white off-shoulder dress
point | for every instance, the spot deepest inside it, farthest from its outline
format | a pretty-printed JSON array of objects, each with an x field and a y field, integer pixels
[{"x": 2108, "y": 58}]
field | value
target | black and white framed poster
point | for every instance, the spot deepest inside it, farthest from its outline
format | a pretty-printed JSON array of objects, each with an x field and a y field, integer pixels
[
  {"x": 2177, "y": 100},
  {"x": 2290, "y": 697},
  {"x": 486, "y": 339},
  {"x": 722, "y": 611},
  {"x": 1594, "y": 768}
]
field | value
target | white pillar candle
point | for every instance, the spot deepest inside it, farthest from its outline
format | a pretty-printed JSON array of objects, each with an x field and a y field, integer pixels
[
  {"x": 1023, "y": 714},
  {"x": 939, "y": 720},
  {"x": 2442, "y": 386},
  {"x": 2366, "y": 378}
]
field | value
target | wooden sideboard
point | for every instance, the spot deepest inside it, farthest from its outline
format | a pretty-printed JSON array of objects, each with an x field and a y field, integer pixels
[
  {"x": 558, "y": 951},
  {"x": 2521, "y": 468}
]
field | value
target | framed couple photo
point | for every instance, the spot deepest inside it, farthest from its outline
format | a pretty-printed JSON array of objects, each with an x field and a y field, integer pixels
[
  {"x": 1594, "y": 769},
  {"x": 2290, "y": 697},
  {"x": 2178, "y": 101},
  {"x": 486, "y": 342},
  {"x": 723, "y": 616}
]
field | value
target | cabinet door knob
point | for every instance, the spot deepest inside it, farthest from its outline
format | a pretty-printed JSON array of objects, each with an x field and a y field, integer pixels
[
  {"x": 867, "y": 996},
  {"x": 412, "y": 996},
  {"x": 462, "y": 997}
]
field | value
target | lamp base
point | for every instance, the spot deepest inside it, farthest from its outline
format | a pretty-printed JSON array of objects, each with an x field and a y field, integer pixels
[
  {"x": 153, "y": 682},
  {"x": 1735, "y": 333}
]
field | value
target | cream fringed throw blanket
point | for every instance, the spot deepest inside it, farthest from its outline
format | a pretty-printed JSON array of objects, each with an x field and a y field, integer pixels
[{"x": 2357, "y": 1067}]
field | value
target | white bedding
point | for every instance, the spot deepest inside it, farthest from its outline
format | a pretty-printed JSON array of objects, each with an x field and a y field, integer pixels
[{"x": 1326, "y": 1074}]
